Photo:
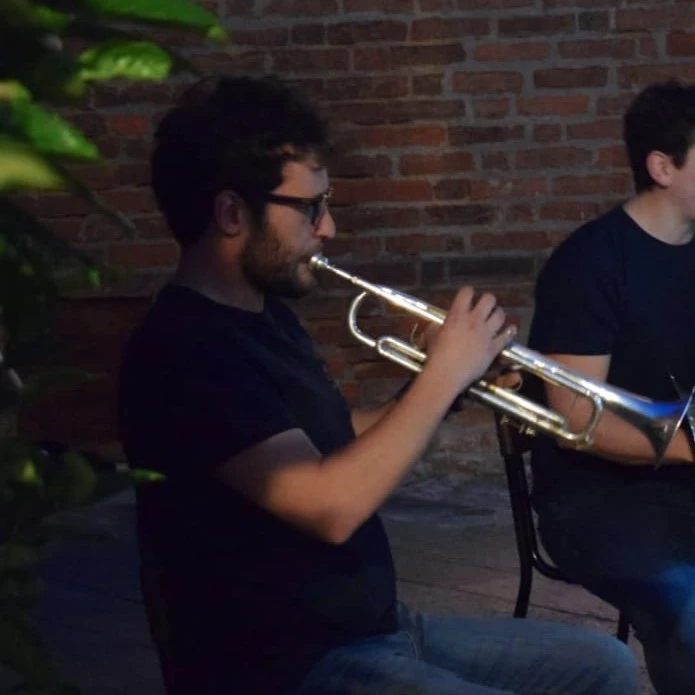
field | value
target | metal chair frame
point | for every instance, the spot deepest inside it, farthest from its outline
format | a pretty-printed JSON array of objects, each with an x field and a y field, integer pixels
[{"x": 513, "y": 447}]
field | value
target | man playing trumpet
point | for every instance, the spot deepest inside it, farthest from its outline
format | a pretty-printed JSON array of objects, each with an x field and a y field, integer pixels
[{"x": 274, "y": 564}]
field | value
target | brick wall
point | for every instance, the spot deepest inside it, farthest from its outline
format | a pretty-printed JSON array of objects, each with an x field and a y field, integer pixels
[{"x": 475, "y": 134}]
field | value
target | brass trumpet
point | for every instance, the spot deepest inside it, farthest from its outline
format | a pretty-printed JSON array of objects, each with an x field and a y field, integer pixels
[{"x": 658, "y": 420}]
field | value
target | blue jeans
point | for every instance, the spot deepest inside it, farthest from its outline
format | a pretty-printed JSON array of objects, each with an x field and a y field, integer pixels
[
  {"x": 633, "y": 544},
  {"x": 469, "y": 656}
]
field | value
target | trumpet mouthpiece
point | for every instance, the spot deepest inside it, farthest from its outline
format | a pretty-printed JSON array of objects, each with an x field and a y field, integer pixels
[{"x": 318, "y": 261}]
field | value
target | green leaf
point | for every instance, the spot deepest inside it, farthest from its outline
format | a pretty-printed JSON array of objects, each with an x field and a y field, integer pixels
[
  {"x": 144, "y": 475},
  {"x": 11, "y": 90},
  {"x": 49, "y": 133},
  {"x": 127, "y": 59},
  {"x": 181, "y": 12},
  {"x": 22, "y": 167}
]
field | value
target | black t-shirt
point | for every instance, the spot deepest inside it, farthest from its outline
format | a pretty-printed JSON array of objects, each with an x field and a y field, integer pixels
[
  {"x": 254, "y": 600},
  {"x": 613, "y": 289}
]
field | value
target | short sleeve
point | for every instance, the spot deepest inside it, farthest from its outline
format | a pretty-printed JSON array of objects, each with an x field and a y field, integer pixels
[
  {"x": 577, "y": 298},
  {"x": 191, "y": 410}
]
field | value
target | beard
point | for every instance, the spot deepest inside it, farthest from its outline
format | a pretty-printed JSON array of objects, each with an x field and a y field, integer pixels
[{"x": 272, "y": 269}]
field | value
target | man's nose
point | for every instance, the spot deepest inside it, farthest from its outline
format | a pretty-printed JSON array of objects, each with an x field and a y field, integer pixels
[{"x": 326, "y": 226}]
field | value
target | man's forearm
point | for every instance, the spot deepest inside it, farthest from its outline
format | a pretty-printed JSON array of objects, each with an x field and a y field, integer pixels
[{"x": 618, "y": 440}]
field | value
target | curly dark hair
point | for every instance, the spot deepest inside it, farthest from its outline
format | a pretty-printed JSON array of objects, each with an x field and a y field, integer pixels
[
  {"x": 661, "y": 118},
  {"x": 229, "y": 133}
]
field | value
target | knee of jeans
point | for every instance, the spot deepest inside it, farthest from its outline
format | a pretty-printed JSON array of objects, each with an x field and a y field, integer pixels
[{"x": 614, "y": 662}]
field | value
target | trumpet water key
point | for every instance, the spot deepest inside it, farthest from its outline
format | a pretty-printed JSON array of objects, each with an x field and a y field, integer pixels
[{"x": 657, "y": 420}]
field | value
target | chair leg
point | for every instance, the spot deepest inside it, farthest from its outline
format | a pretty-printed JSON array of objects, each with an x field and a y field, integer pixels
[
  {"x": 623, "y": 633},
  {"x": 524, "y": 593}
]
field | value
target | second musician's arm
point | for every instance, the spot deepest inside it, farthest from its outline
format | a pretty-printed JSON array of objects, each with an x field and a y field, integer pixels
[{"x": 614, "y": 438}]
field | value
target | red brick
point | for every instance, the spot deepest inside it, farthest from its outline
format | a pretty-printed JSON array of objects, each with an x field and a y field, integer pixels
[
  {"x": 461, "y": 215},
  {"x": 372, "y": 59},
  {"x": 595, "y": 184},
  {"x": 509, "y": 241},
  {"x": 648, "y": 47},
  {"x": 536, "y": 25},
  {"x": 365, "y": 87},
  {"x": 313, "y": 60},
  {"x": 598, "y": 48},
  {"x": 61, "y": 205},
  {"x": 448, "y": 28},
  {"x": 568, "y": 210},
  {"x": 507, "y": 187},
  {"x": 396, "y": 273},
  {"x": 633, "y": 76},
  {"x": 653, "y": 18},
  {"x": 471, "y": 267},
  {"x": 553, "y": 158},
  {"x": 301, "y": 8},
  {"x": 131, "y": 200},
  {"x": 422, "y": 164},
  {"x": 370, "y": 218},
  {"x": 358, "y": 190},
  {"x": 360, "y": 166},
  {"x": 359, "y": 113},
  {"x": 612, "y": 157},
  {"x": 451, "y": 189},
  {"x": 554, "y": 4},
  {"x": 561, "y": 105},
  {"x": 613, "y": 105},
  {"x": 680, "y": 44},
  {"x": 607, "y": 128},
  {"x": 96, "y": 228},
  {"x": 309, "y": 34},
  {"x": 276, "y": 36},
  {"x": 411, "y": 110},
  {"x": 568, "y": 78},
  {"x": 461, "y": 136},
  {"x": 403, "y": 136},
  {"x": 360, "y": 32},
  {"x": 233, "y": 62},
  {"x": 415, "y": 244},
  {"x": 492, "y": 108},
  {"x": 240, "y": 8},
  {"x": 482, "y": 82},
  {"x": 547, "y": 132},
  {"x": 437, "y": 54},
  {"x": 493, "y": 4},
  {"x": 428, "y": 85},
  {"x": 354, "y": 245},
  {"x": 503, "y": 52},
  {"x": 386, "y": 6},
  {"x": 143, "y": 255}
]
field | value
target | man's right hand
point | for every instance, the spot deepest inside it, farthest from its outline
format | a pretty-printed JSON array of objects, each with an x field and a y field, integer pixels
[{"x": 470, "y": 339}]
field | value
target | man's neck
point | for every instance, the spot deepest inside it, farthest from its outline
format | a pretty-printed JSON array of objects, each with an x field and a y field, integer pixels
[
  {"x": 205, "y": 274},
  {"x": 656, "y": 214}
]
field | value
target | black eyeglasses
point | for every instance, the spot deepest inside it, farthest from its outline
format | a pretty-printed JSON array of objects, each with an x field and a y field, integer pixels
[{"x": 314, "y": 208}]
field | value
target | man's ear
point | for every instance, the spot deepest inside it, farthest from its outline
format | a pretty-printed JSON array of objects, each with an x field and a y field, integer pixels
[
  {"x": 660, "y": 167},
  {"x": 229, "y": 213}
]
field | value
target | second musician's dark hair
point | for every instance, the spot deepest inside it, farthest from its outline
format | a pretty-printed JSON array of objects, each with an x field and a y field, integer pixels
[
  {"x": 661, "y": 118},
  {"x": 229, "y": 133}
]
